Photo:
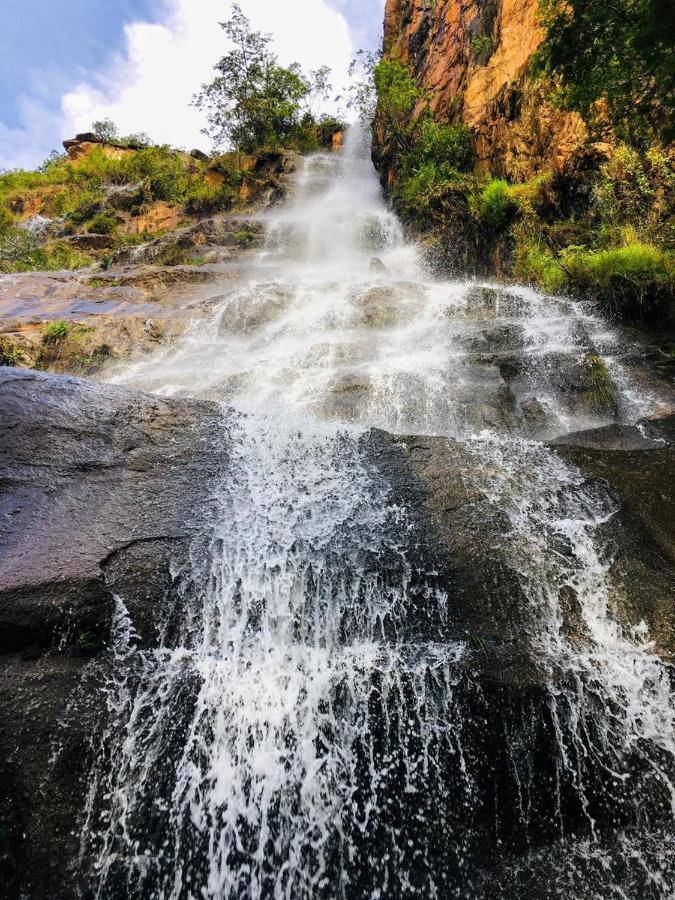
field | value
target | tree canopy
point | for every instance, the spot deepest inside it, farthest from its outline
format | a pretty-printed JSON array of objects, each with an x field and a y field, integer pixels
[
  {"x": 615, "y": 62},
  {"x": 254, "y": 102}
]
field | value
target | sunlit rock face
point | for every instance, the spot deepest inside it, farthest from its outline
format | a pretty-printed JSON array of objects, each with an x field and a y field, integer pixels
[{"x": 472, "y": 57}]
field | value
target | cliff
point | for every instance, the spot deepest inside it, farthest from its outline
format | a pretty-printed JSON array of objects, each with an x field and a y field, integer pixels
[{"x": 473, "y": 57}]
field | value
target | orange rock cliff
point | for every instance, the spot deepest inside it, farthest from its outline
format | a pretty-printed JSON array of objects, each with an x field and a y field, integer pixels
[{"x": 473, "y": 57}]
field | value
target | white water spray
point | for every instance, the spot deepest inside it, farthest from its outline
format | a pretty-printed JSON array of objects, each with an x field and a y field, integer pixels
[{"x": 296, "y": 721}]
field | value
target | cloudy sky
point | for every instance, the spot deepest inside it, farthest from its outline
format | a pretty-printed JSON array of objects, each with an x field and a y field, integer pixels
[{"x": 64, "y": 64}]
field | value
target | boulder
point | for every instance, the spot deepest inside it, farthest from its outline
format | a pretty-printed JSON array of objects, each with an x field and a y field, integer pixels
[
  {"x": 100, "y": 489},
  {"x": 637, "y": 463},
  {"x": 105, "y": 492}
]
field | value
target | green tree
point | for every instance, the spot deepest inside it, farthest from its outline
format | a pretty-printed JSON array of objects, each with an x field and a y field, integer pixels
[
  {"x": 620, "y": 52},
  {"x": 254, "y": 102},
  {"x": 106, "y": 131}
]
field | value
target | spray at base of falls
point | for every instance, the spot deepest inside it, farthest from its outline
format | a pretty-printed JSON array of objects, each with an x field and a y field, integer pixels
[{"x": 312, "y": 722}]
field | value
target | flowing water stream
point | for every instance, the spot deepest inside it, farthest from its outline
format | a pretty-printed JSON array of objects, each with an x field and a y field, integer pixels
[{"x": 310, "y": 724}]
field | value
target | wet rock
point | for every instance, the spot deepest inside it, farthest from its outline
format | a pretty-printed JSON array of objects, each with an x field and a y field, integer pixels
[
  {"x": 347, "y": 398},
  {"x": 380, "y": 307},
  {"x": 71, "y": 450},
  {"x": 494, "y": 302},
  {"x": 458, "y": 535},
  {"x": 637, "y": 463},
  {"x": 377, "y": 267},
  {"x": 491, "y": 339},
  {"x": 243, "y": 314},
  {"x": 535, "y": 415},
  {"x": 101, "y": 490}
]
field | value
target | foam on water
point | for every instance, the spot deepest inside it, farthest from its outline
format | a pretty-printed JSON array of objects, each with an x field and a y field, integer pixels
[{"x": 295, "y": 734}]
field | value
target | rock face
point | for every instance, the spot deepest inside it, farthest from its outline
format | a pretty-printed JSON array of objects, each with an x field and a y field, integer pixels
[
  {"x": 96, "y": 485},
  {"x": 83, "y": 145},
  {"x": 473, "y": 58},
  {"x": 105, "y": 492},
  {"x": 147, "y": 296},
  {"x": 637, "y": 463}
]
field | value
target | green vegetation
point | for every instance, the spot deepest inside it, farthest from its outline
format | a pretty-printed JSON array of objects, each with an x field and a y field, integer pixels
[
  {"x": 10, "y": 353},
  {"x": 482, "y": 46},
  {"x": 615, "y": 63},
  {"x": 497, "y": 204},
  {"x": 79, "y": 193},
  {"x": 172, "y": 255},
  {"x": 606, "y": 231},
  {"x": 597, "y": 383},
  {"x": 54, "y": 332},
  {"x": 253, "y": 102},
  {"x": 102, "y": 223},
  {"x": 433, "y": 159},
  {"x": 244, "y": 237},
  {"x": 20, "y": 252},
  {"x": 618, "y": 246},
  {"x": 106, "y": 131}
]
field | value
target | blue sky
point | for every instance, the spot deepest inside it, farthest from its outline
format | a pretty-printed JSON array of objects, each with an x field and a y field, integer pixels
[{"x": 63, "y": 62}]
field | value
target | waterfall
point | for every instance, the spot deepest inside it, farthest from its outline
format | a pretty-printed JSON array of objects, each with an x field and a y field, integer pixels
[{"x": 310, "y": 724}]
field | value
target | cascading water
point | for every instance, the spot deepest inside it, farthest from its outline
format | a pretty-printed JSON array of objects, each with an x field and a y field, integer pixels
[{"x": 309, "y": 724}]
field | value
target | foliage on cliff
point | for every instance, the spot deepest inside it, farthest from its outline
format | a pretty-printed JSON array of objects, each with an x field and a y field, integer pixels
[
  {"x": 253, "y": 102},
  {"x": 104, "y": 194},
  {"x": 615, "y": 63},
  {"x": 431, "y": 158},
  {"x": 605, "y": 229}
]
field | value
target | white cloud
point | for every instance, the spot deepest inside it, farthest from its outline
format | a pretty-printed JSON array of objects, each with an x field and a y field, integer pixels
[{"x": 150, "y": 85}]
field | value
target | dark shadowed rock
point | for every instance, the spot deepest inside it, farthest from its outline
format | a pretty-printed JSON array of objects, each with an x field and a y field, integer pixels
[
  {"x": 101, "y": 490},
  {"x": 105, "y": 492},
  {"x": 637, "y": 462},
  {"x": 88, "y": 472}
]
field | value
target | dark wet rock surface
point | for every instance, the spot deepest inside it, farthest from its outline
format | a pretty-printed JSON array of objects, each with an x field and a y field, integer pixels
[
  {"x": 637, "y": 464},
  {"x": 100, "y": 490},
  {"x": 104, "y": 492},
  {"x": 89, "y": 472}
]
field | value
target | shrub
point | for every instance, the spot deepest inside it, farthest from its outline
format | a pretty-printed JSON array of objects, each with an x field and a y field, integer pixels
[
  {"x": 6, "y": 221},
  {"x": 86, "y": 209},
  {"x": 172, "y": 255},
  {"x": 497, "y": 204},
  {"x": 482, "y": 45},
  {"x": 163, "y": 172},
  {"x": 638, "y": 265},
  {"x": 537, "y": 266},
  {"x": 54, "y": 332},
  {"x": 202, "y": 199},
  {"x": 449, "y": 147},
  {"x": 244, "y": 237},
  {"x": 10, "y": 353},
  {"x": 103, "y": 223}
]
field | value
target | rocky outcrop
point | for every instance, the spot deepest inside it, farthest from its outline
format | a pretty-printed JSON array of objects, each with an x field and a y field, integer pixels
[
  {"x": 147, "y": 296},
  {"x": 83, "y": 145},
  {"x": 472, "y": 57},
  {"x": 637, "y": 463},
  {"x": 98, "y": 487},
  {"x": 106, "y": 492}
]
